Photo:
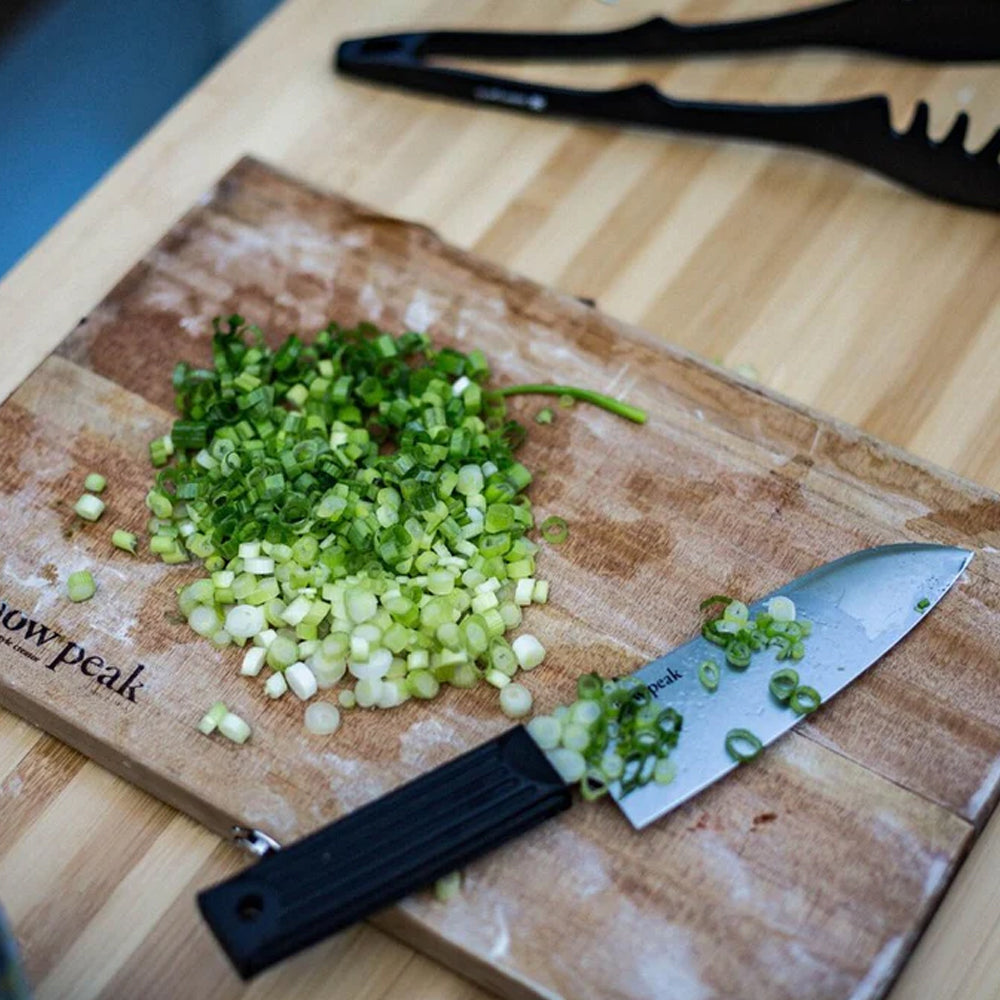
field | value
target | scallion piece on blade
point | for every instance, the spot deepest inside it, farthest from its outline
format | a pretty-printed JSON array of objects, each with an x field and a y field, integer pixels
[
  {"x": 709, "y": 674},
  {"x": 742, "y": 745},
  {"x": 448, "y": 887},
  {"x": 923, "y": 604},
  {"x": 555, "y": 530},
  {"x": 95, "y": 482},
  {"x": 664, "y": 771},
  {"x": 804, "y": 699},
  {"x": 124, "y": 540},
  {"x": 608, "y": 403},
  {"x": 80, "y": 586},
  {"x": 211, "y": 719},
  {"x": 234, "y": 728},
  {"x": 89, "y": 507},
  {"x": 783, "y": 683}
]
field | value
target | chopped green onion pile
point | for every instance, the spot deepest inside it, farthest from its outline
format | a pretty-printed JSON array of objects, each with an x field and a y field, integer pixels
[
  {"x": 359, "y": 512},
  {"x": 614, "y": 731}
]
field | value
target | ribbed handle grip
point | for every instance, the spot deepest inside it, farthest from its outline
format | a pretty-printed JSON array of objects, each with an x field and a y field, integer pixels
[{"x": 383, "y": 851}]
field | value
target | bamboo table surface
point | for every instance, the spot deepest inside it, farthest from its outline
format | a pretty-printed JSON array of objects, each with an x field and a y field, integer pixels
[{"x": 841, "y": 291}]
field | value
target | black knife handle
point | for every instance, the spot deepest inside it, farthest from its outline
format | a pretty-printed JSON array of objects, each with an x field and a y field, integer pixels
[{"x": 384, "y": 851}]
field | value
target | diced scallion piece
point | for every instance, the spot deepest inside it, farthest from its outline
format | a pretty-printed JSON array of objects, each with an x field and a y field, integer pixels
[
  {"x": 322, "y": 718},
  {"x": 234, "y": 728},
  {"x": 528, "y": 650},
  {"x": 211, "y": 719},
  {"x": 515, "y": 700},
  {"x": 95, "y": 482},
  {"x": 555, "y": 530},
  {"x": 448, "y": 887},
  {"x": 124, "y": 540},
  {"x": 89, "y": 507},
  {"x": 80, "y": 586}
]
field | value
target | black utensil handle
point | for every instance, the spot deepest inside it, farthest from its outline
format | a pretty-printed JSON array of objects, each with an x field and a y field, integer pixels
[
  {"x": 384, "y": 851},
  {"x": 930, "y": 30}
]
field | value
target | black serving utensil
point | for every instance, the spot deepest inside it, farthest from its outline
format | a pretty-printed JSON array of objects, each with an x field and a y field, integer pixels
[{"x": 857, "y": 130}]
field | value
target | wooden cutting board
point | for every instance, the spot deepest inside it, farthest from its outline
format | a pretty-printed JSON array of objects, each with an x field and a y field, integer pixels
[{"x": 808, "y": 874}]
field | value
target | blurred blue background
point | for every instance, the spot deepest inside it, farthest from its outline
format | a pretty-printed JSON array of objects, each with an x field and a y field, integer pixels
[{"x": 81, "y": 81}]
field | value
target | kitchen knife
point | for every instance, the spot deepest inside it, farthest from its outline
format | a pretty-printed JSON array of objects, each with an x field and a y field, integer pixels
[{"x": 860, "y": 605}]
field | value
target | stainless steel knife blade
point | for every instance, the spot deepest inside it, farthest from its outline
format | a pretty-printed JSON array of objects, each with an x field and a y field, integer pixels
[{"x": 860, "y": 606}]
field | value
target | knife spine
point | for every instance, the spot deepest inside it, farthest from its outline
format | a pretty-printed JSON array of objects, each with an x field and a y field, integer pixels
[{"x": 384, "y": 851}]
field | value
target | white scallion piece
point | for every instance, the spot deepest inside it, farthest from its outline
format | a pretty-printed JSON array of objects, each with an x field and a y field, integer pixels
[
  {"x": 448, "y": 887},
  {"x": 211, "y": 719},
  {"x": 265, "y": 638},
  {"x": 301, "y": 680},
  {"x": 375, "y": 667},
  {"x": 297, "y": 610},
  {"x": 391, "y": 694},
  {"x": 234, "y": 728},
  {"x": 528, "y": 650},
  {"x": 515, "y": 700},
  {"x": 275, "y": 686},
  {"x": 546, "y": 731},
  {"x": 523, "y": 590},
  {"x": 585, "y": 712},
  {"x": 322, "y": 718},
  {"x": 253, "y": 661},
  {"x": 259, "y": 565},
  {"x": 497, "y": 678},
  {"x": 89, "y": 507},
  {"x": 781, "y": 609},
  {"x": 205, "y": 620},
  {"x": 569, "y": 763},
  {"x": 244, "y": 621},
  {"x": 366, "y": 692}
]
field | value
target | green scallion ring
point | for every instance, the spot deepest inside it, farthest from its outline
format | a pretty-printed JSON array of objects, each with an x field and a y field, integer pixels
[
  {"x": 784, "y": 683},
  {"x": 555, "y": 530},
  {"x": 804, "y": 699},
  {"x": 742, "y": 745},
  {"x": 738, "y": 655},
  {"x": 708, "y": 674}
]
